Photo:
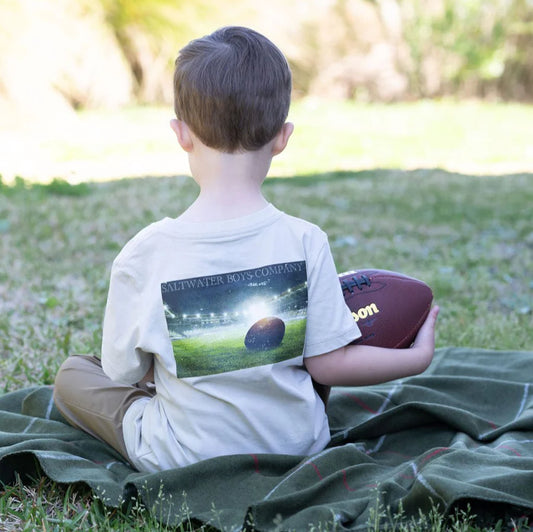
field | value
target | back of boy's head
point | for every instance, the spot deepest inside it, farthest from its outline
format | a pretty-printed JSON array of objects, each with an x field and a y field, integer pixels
[{"x": 233, "y": 89}]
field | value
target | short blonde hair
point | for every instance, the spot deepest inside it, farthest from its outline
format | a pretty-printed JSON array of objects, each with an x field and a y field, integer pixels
[{"x": 233, "y": 89}]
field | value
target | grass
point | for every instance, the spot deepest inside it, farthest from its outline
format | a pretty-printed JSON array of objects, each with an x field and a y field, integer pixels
[
  {"x": 471, "y": 137},
  {"x": 72, "y": 508},
  {"x": 469, "y": 237},
  {"x": 464, "y": 518},
  {"x": 467, "y": 136}
]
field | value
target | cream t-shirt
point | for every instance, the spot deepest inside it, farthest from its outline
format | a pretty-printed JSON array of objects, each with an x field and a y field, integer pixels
[{"x": 228, "y": 310}]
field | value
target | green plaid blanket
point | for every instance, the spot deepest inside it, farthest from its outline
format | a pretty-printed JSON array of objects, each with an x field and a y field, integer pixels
[{"x": 463, "y": 431}]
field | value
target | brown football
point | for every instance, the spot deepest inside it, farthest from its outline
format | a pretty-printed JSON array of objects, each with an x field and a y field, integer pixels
[
  {"x": 267, "y": 333},
  {"x": 389, "y": 307}
]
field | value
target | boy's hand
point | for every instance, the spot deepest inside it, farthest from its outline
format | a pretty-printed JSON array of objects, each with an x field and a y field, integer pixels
[{"x": 425, "y": 339}]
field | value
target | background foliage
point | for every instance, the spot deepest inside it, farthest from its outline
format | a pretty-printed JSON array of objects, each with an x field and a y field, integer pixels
[
  {"x": 112, "y": 52},
  {"x": 485, "y": 47}
]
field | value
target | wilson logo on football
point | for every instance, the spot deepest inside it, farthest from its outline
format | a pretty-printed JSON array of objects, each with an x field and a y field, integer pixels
[{"x": 365, "y": 312}]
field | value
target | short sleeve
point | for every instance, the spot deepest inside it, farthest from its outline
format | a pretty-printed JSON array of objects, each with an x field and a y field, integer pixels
[
  {"x": 122, "y": 359},
  {"x": 330, "y": 324}
]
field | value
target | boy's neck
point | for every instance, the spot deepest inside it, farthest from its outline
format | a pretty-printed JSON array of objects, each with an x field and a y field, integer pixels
[{"x": 230, "y": 183}]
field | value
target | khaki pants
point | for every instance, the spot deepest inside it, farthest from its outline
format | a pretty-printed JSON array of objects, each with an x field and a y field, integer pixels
[{"x": 89, "y": 400}]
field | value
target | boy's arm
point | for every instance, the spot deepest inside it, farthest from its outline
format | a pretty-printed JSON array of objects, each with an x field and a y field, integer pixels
[
  {"x": 361, "y": 365},
  {"x": 124, "y": 357}
]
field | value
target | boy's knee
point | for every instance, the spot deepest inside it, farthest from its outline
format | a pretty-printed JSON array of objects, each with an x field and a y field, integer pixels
[
  {"x": 81, "y": 363},
  {"x": 73, "y": 373}
]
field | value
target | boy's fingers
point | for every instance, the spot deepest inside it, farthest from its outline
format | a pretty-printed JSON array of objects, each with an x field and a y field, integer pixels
[
  {"x": 428, "y": 327},
  {"x": 432, "y": 316},
  {"x": 433, "y": 313}
]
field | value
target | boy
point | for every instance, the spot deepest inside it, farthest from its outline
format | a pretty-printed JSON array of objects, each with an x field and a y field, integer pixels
[{"x": 233, "y": 307}]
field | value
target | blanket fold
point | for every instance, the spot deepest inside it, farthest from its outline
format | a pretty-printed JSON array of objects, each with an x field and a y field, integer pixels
[{"x": 462, "y": 431}]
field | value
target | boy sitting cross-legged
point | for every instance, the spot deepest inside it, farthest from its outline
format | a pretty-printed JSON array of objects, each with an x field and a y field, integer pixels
[{"x": 232, "y": 308}]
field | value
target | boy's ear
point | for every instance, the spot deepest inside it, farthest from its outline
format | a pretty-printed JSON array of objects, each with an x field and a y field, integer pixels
[
  {"x": 183, "y": 134},
  {"x": 282, "y": 138}
]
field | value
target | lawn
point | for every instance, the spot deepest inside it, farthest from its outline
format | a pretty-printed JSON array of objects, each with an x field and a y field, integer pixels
[
  {"x": 470, "y": 237},
  {"x": 469, "y": 137}
]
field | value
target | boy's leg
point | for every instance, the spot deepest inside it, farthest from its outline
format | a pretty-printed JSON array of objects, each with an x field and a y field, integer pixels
[{"x": 89, "y": 400}]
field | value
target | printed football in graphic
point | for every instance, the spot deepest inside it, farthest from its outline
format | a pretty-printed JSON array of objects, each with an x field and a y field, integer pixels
[
  {"x": 267, "y": 333},
  {"x": 389, "y": 307}
]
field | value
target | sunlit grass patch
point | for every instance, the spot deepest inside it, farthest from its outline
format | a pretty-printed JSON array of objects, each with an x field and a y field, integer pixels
[{"x": 470, "y": 137}]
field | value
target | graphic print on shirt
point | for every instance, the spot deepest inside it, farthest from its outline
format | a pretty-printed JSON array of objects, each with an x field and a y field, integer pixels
[{"x": 237, "y": 320}]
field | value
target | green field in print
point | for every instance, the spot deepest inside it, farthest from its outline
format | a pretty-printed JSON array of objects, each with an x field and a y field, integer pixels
[
  {"x": 208, "y": 356},
  {"x": 208, "y": 317}
]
